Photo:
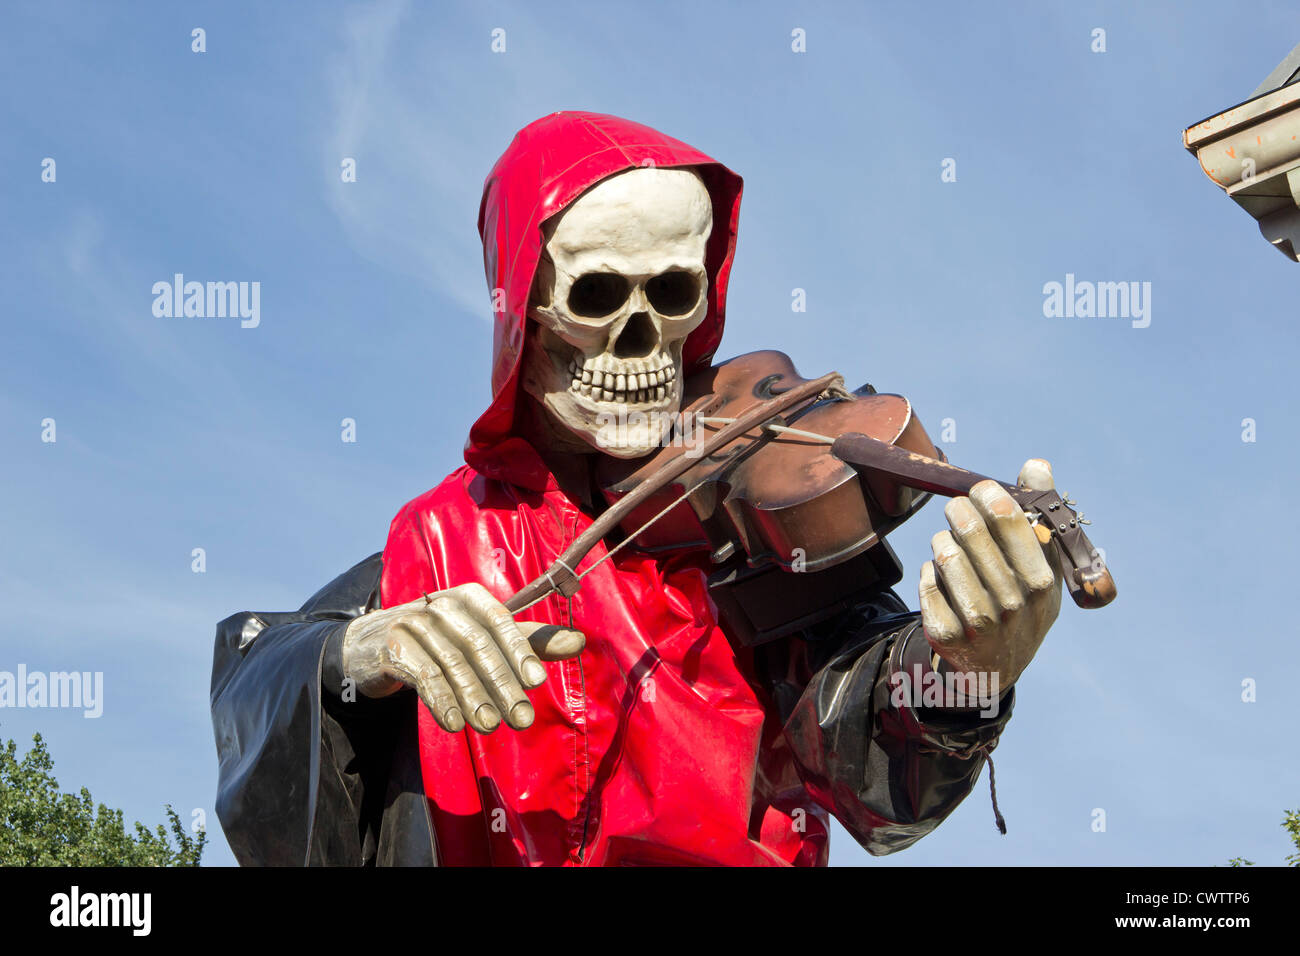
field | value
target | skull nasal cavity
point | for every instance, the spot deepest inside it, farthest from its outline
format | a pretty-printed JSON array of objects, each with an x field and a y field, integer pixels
[{"x": 638, "y": 338}]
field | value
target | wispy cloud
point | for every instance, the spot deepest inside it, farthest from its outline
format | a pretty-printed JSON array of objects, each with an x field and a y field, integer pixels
[{"x": 415, "y": 200}]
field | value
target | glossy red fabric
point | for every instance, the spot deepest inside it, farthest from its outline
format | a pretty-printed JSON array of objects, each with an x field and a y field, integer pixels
[{"x": 655, "y": 745}]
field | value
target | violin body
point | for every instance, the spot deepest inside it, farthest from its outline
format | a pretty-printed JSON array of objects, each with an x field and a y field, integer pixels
[
  {"x": 787, "y": 502},
  {"x": 765, "y": 508}
]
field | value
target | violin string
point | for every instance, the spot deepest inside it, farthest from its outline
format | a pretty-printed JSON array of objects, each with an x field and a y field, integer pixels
[
  {"x": 782, "y": 429},
  {"x": 618, "y": 547},
  {"x": 707, "y": 420},
  {"x": 637, "y": 533},
  {"x": 785, "y": 429}
]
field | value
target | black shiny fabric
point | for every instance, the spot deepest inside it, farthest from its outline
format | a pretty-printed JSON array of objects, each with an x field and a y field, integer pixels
[
  {"x": 306, "y": 779},
  {"x": 889, "y": 774}
]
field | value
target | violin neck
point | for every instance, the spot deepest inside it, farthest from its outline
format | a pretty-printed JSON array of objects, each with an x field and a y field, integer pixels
[{"x": 913, "y": 470}]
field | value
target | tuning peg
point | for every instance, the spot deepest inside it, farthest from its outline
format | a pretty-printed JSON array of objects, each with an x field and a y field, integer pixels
[{"x": 1081, "y": 519}]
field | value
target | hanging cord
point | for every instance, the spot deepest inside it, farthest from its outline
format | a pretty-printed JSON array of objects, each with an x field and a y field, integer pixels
[
  {"x": 970, "y": 753},
  {"x": 993, "y": 795}
]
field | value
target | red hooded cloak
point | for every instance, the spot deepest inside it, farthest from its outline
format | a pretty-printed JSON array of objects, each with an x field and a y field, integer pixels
[{"x": 661, "y": 742}]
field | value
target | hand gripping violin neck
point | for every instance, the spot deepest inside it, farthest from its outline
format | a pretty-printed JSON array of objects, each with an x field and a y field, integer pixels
[{"x": 775, "y": 474}]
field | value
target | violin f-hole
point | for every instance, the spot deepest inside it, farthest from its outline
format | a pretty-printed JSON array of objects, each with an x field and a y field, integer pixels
[{"x": 764, "y": 390}]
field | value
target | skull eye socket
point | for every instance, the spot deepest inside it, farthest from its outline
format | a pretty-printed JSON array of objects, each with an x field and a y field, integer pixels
[
  {"x": 673, "y": 293},
  {"x": 597, "y": 294}
]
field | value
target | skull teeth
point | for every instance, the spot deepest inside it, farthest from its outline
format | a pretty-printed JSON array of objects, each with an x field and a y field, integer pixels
[{"x": 624, "y": 381}]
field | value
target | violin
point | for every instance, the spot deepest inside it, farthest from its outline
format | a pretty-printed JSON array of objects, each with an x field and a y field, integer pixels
[{"x": 793, "y": 484}]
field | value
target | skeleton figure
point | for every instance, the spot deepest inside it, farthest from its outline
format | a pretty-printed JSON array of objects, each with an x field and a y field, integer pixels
[
  {"x": 620, "y": 287},
  {"x": 619, "y": 295}
]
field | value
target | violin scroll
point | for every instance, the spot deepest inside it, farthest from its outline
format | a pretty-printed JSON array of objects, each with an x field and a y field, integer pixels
[{"x": 1086, "y": 576}]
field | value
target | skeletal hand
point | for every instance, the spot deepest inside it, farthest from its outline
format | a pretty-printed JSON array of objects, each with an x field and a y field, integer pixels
[
  {"x": 461, "y": 651},
  {"x": 997, "y": 590}
]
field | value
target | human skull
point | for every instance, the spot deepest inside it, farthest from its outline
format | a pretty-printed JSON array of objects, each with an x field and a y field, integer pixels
[{"x": 620, "y": 285}]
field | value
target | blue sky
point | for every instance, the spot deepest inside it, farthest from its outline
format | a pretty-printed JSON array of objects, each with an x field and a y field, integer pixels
[{"x": 175, "y": 433}]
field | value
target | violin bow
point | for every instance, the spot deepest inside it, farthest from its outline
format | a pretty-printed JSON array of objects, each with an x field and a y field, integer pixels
[
  {"x": 1089, "y": 582},
  {"x": 562, "y": 576}
]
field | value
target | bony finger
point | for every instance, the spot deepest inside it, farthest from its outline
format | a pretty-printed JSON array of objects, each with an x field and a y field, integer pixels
[
  {"x": 552, "y": 642},
  {"x": 441, "y": 701},
  {"x": 410, "y": 664},
  {"x": 474, "y": 699},
  {"x": 493, "y": 615},
  {"x": 482, "y": 716},
  {"x": 940, "y": 622},
  {"x": 973, "y": 535},
  {"x": 457, "y": 623},
  {"x": 1036, "y": 475},
  {"x": 965, "y": 590},
  {"x": 1011, "y": 529}
]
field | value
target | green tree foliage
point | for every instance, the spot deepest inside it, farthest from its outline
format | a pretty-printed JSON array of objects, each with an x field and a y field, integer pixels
[
  {"x": 39, "y": 826},
  {"x": 1290, "y": 823}
]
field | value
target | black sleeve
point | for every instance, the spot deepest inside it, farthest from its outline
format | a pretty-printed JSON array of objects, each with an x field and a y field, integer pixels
[
  {"x": 309, "y": 774},
  {"x": 889, "y": 771}
]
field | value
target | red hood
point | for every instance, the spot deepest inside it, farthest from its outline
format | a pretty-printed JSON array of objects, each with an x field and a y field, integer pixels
[{"x": 548, "y": 164}]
